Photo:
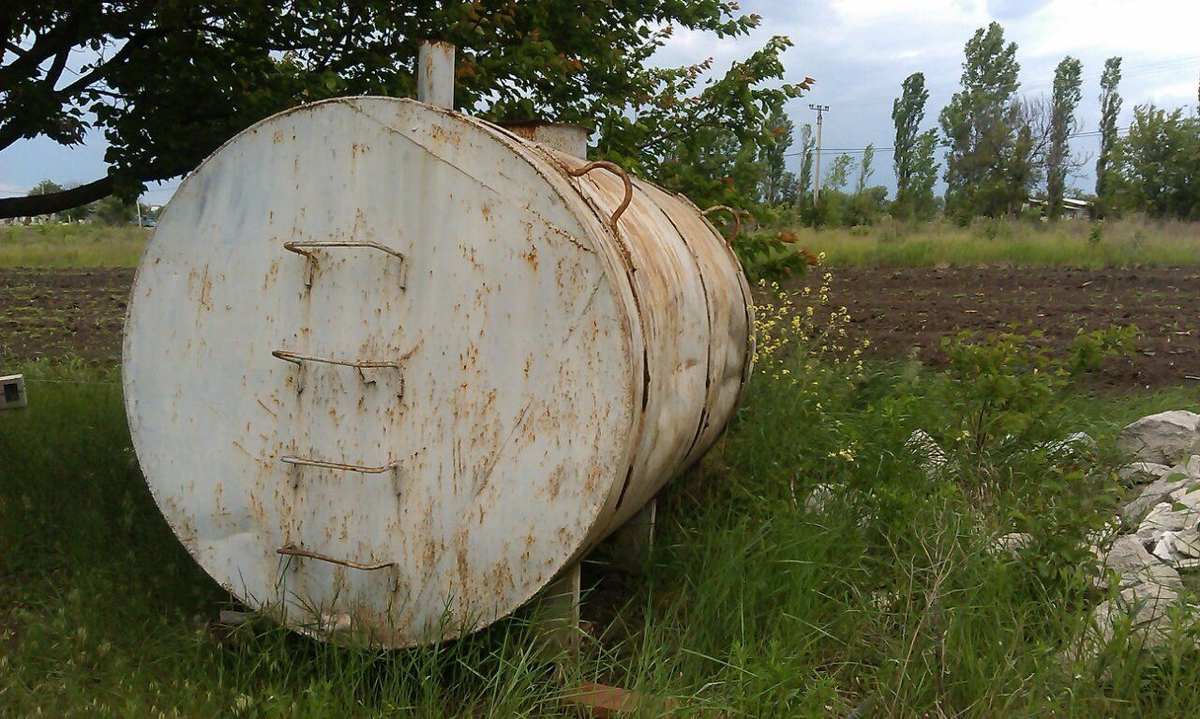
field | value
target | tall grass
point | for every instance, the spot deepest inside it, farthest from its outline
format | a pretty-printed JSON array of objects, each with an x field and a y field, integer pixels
[
  {"x": 885, "y": 597},
  {"x": 1068, "y": 242},
  {"x": 1135, "y": 241},
  {"x": 71, "y": 245}
]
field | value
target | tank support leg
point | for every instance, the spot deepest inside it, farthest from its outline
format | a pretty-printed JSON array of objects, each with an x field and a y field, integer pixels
[
  {"x": 557, "y": 616},
  {"x": 632, "y": 542}
]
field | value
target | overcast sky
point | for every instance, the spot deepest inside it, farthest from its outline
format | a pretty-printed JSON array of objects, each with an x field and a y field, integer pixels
[{"x": 859, "y": 51}]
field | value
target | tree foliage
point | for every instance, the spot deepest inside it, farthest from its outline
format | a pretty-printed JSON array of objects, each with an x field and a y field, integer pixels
[
  {"x": 981, "y": 128},
  {"x": 167, "y": 83},
  {"x": 804, "y": 180},
  {"x": 705, "y": 143},
  {"x": 1110, "y": 109},
  {"x": 919, "y": 201},
  {"x": 112, "y": 210},
  {"x": 1067, "y": 93},
  {"x": 838, "y": 173},
  {"x": 908, "y": 112},
  {"x": 865, "y": 169},
  {"x": 49, "y": 187},
  {"x": 778, "y": 185},
  {"x": 1157, "y": 164}
]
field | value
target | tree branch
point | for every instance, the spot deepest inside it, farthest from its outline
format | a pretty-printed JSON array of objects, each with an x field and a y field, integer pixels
[
  {"x": 33, "y": 205},
  {"x": 44, "y": 47}
]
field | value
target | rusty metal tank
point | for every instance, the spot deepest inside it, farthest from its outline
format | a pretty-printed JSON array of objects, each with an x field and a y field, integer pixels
[{"x": 389, "y": 369}]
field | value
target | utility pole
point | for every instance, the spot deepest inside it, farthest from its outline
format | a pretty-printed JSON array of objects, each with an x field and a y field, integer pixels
[{"x": 821, "y": 109}]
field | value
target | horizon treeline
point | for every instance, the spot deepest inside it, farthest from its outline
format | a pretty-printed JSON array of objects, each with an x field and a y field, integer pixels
[{"x": 997, "y": 150}]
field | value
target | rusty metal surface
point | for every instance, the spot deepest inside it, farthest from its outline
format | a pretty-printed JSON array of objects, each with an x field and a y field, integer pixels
[
  {"x": 616, "y": 170},
  {"x": 435, "y": 73},
  {"x": 466, "y": 421},
  {"x": 693, "y": 304},
  {"x": 564, "y": 137}
]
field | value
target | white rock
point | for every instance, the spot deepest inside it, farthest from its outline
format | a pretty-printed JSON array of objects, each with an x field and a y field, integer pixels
[
  {"x": 1178, "y": 547},
  {"x": 1187, "y": 495},
  {"x": 927, "y": 450},
  {"x": 1187, "y": 543},
  {"x": 1161, "y": 519},
  {"x": 820, "y": 498},
  {"x": 1013, "y": 542},
  {"x": 1134, "y": 565},
  {"x": 1163, "y": 547},
  {"x": 1163, "y": 438},
  {"x": 1190, "y": 468},
  {"x": 1143, "y": 472},
  {"x": 1079, "y": 443},
  {"x": 1157, "y": 491},
  {"x": 1146, "y": 604}
]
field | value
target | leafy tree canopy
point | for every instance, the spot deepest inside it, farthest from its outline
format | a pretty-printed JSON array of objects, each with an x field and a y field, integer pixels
[
  {"x": 908, "y": 112},
  {"x": 167, "y": 82},
  {"x": 981, "y": 128},
  {"x": 1067, "y": 93},
  {"x": 1110, "y": 109},
  {"x": 1158, "y": 163}
]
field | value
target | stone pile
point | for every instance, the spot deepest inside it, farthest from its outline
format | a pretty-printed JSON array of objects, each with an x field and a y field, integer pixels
[{"x": 1164, "y": 514}]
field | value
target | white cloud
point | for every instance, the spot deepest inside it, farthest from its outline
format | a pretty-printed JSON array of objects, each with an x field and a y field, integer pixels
[
  {"x": 1174, "y": 94},
  {"x": 860, "y": 51},
  {"x": 1156, "y": 28}
]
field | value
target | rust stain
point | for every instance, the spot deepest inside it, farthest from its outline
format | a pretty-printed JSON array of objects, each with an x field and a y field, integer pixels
[
  {"x": 531, "y": 257},
  {"x": 478, "y": 413}
]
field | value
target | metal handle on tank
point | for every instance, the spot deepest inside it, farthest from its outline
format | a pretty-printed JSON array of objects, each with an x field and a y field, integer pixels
[
  {"x": 297, "y": 358},
  {"x": 325, "y": 464},
  {"x": 292, "y": 550},
  {"x": 737, "y": 220},
  {"x": 616, "y": 170},
  {"x": 305, "y": 248}
]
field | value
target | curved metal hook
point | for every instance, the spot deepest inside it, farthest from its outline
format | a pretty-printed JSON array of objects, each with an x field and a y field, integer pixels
[
  {"x": 292, "y": 550},
  {"x": 616, "y": 170},
  {"x": 737, "y": 220}
]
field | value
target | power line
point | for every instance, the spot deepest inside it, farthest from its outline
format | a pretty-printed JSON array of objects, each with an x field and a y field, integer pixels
[
  {"x": 1138, "y": 70},
  {"x": 860, "y": 150}
]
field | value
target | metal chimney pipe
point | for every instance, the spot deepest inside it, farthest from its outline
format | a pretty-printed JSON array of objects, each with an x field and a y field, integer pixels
[
  {"x": 562, "y": 136},
  {"x": 435, "y": 73}
]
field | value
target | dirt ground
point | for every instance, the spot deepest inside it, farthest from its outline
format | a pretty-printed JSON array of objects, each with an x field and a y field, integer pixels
[
  {"x": 903, "y": 311},
  {"x": 906, "y": 311},
  {"x": 56, "y": 312}
]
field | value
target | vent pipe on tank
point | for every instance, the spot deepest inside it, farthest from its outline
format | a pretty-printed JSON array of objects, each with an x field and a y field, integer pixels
[
  {"x": 435, "y": 73},
  {"x": 565, "y": 137}
]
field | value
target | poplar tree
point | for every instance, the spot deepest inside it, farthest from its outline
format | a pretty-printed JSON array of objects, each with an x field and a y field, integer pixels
[
  {"x": 865, "y": 169},
  {"x": 1110, "y": 108},
  {"x": 776, "y": 179},
  {"x": 908, "y": 112},
  {"x": 920, "y": 201},
  {"x": 980, "y": 127},
  {"x": 1067, "y": 80},
  {"x": 805, "y": 180},
  {"x": 838, "y": 172}
]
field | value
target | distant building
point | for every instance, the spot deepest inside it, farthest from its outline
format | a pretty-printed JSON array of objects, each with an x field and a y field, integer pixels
[{"x": 1073, "y": 209}]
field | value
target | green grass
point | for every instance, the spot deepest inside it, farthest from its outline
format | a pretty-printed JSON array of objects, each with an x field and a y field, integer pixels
[
  {"x": 1069, "y": 242},
  {"x": 886, "y": 598},
  {"x": 1124, "y": 242},
  {"x": 71, "y": 245}
]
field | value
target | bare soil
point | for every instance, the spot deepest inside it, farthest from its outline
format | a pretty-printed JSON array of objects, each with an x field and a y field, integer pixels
[
  {"x": 904, "y": 312},
  {"x": 55, "y": 312}
]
